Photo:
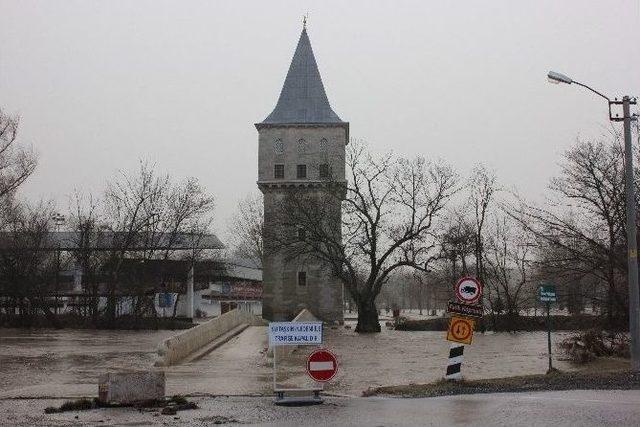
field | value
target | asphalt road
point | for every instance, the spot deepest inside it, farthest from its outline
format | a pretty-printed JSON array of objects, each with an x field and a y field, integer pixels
[{"x": 565, "y": 408}]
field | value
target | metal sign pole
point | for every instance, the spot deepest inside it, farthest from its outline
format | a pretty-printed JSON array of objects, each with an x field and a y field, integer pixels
[
  {"x": 549, "y": 333},
  {"x": 288, "y": 334},
  {"x": 275, "y": 350}
]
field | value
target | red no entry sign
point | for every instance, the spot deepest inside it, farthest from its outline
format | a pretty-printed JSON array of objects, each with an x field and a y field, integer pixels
[{"x": 322, "y": 365}]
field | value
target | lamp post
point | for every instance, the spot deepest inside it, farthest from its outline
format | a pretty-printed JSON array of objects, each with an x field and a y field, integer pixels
[
  {"x": 632, "y": 244},
  {"x": 58, "y": 221}
]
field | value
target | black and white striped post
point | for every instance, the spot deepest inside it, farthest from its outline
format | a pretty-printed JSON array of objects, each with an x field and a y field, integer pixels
[
  {"x": 454, "y": 366},
  {"x": 468, "y": 291}
]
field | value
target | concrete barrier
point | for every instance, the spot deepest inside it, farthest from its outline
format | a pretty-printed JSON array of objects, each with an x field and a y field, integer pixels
[
  {"x": 125, "y": 388},
  {"x": 176, "y": 348}
]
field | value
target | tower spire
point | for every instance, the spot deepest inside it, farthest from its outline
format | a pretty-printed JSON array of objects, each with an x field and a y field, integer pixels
[{"x": 303, "y": 99}]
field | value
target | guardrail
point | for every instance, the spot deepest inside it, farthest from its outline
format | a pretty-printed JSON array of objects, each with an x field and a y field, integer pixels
[{"x": 176, "y": 348}]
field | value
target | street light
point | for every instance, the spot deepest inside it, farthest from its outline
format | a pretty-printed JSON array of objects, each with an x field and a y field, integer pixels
[
  {"x": 632, "y": 244},
  {"x": 58, "y": 220}
]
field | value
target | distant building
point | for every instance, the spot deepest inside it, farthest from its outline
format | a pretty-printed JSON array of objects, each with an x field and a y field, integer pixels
[
  {"x": 298, "y": 144},
  {"x": 177, "y": 287},
  {"x": 238, "y": 285}
]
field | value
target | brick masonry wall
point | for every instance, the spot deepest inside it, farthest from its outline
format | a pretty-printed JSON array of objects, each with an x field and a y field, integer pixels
[{"x": 282, "y": 297}]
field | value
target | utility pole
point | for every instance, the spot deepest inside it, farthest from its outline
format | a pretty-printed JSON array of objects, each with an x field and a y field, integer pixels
[
  {"x": 632, "y": 243},
  {"x": 630, "y": 194}
]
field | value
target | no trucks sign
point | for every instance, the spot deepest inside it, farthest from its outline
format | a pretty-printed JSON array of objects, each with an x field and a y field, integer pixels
[{"x": 468, "y": 290}]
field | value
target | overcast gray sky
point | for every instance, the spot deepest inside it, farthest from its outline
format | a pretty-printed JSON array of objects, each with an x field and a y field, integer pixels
[{"x": 102, "y": 84}]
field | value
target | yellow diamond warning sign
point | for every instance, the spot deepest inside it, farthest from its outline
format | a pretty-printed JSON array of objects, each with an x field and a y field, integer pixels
[{"x": 461, "y": 330}]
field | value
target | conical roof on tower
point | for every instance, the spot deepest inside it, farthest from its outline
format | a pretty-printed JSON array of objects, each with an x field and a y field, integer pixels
[{"x": 303, "y": 99}]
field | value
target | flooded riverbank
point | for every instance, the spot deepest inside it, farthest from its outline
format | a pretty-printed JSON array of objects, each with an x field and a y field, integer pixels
[
  {"x": 66, "y": 363},
  {"x": 399, "y": 357}
]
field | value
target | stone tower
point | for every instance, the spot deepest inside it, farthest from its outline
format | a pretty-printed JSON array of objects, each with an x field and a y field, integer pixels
[{"x": 299, "y": 144}]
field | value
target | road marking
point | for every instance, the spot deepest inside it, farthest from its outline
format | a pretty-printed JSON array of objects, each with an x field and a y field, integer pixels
[{"x": 321, "y": 366}]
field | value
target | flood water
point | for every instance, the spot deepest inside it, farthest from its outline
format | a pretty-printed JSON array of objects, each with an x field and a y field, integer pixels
[
  {"x": 401, "y": 357},
  {"x": 66, "y": 363}
]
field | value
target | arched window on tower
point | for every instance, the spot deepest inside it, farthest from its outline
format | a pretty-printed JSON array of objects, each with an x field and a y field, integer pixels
[
  {"x": 278, "y": 146},
  {"x": 302, "y": 145}
]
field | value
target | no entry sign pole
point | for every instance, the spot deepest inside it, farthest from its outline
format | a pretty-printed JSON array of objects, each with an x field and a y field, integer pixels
[{"x": 322, "y": 365}]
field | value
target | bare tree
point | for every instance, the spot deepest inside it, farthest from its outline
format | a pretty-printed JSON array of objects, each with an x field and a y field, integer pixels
[
  {"x": 147, "y": 215},
  {"x": 16, "y": 163},
  {"x": 246, "y": 228},
  {"x": 508, "y": 261},
  {"x": 26, "y": 267},
  {"x": 86, "y": 221},
  {"x": 457, "y": 246},
  {"x": 389, "y": 211},
  {"x": 585, "y": 227},
  {"x": 482, "y": 188}
]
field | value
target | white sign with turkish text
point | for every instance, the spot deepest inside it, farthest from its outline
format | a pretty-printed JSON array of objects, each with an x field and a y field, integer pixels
[{"x": 295, "y": 333}]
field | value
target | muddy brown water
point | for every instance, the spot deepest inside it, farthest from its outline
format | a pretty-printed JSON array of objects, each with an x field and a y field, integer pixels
[
  {"x": 399, "y": 357},
  {"x": 68, "y": 362}
]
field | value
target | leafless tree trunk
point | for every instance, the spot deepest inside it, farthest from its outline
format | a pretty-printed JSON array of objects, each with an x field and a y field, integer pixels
[{"x": 390, "y": 208}]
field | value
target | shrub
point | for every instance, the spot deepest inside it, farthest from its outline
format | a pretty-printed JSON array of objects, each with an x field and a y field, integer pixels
[{"x": 585, "y": 346}]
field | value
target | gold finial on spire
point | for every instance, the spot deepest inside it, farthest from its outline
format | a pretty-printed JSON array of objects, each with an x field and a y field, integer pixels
[{"x": 304, "y": 20}]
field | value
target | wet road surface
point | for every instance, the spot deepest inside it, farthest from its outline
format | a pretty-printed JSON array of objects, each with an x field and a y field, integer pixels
[
  {"x": 566, "y": 408},
  {"x": 239, "y": 367}
]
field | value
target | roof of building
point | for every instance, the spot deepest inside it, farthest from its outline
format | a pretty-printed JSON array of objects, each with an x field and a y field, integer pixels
[
  {"x": 108, "y": 240},
  {"x": 303, "y": 99},
  {"x": 242, "y": 268}
]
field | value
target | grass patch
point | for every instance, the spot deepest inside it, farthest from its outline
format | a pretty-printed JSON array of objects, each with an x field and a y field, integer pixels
[
  {"x": 173, "y": 404},
  {"x": 74, "y": 405},
  {"x": 555, "y": 380}
]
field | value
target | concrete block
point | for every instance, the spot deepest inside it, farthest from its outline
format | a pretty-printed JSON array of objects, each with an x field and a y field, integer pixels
[{"x": 130, "y": 387}]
